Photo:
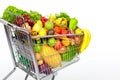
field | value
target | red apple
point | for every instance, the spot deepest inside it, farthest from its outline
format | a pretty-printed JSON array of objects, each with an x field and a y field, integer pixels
[{"x": 58, "y": 45}]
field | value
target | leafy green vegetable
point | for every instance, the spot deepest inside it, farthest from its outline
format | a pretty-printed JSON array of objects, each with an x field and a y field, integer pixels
[
  {"x": 63, "y": 14},
  {"x": 35, "y": 15},
  {"x": 11, "y": 12},
  {"x": 73, "y": 24}
]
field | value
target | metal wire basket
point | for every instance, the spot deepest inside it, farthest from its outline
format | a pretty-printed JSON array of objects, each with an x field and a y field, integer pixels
[{"x": 21, "y": 44}]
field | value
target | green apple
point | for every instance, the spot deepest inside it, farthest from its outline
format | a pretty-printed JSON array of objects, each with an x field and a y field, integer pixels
[
  {"x": 49, "y": 25},
  {"x": 51, "y": 41},
  {"x": 37, "y": 48}
]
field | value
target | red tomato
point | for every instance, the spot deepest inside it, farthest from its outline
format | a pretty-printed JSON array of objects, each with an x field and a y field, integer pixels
[
  {"x": 63, "y": 31},
  {"x": 57, "y": 29}
]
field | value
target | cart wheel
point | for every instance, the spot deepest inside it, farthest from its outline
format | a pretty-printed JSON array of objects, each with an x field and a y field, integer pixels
[
  {"x": 26, "y": 76},
  {"x": 53, "y": 77}
]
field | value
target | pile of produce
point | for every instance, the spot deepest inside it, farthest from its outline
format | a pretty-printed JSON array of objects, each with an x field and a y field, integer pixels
[{"x": 50, "y": 51}]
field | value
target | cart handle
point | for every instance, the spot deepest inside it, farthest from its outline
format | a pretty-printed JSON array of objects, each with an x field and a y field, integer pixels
[
  {"x": 5, "y": 22},
  {"x": 12, "y": 25}
]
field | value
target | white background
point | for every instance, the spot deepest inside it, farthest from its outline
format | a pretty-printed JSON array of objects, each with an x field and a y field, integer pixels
[{"x": 100, "y": 61}]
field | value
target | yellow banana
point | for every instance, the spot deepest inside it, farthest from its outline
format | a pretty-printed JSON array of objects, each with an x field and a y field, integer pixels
[
  {"x": 89, "y": 37},
  {"x": 86, "y": 40}
]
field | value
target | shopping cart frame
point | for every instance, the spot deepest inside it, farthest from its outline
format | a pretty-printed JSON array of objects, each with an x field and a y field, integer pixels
[{"x": 36, "y": 75}]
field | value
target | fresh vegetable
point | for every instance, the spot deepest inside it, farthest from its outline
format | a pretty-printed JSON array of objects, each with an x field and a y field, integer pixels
[
  {"x": 57, "y": 29},
  {"x": 70, "y": 53},
  {"x": 73, "y": 24},
  {"x": 63, "y": 31},
  {"x": 35, "y": 15},
  {"x": 52, "y": 17},
  {"x": 63, "y": 14},
  {"x": 45, "y": 68},
  {"x": 61, "y": 22},
  {"x": 51, "y": 41},
  {"x": 11, "y": 12}
]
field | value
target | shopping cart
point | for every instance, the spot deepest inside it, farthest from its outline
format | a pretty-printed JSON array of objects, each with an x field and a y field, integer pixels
[{"x": 21, "y": 46}]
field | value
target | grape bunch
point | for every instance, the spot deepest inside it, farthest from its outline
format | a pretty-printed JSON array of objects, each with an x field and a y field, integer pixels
[
  {"x": 19, "y": 21},
  {"x": 28, "y": 20},
  {"x": 24, "y": 19}
]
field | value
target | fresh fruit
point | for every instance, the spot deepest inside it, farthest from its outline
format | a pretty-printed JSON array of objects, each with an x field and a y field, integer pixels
[
  {"x": 28, "y": 20},
  {"x": 42, "y": 32},
  {"x": 78, "y": 31},
  {"x": 38, "y": 56},
  {"x": 44, "y": 20},
  {"x": 51, "y": 32},
  {"x": 62, "y": 50},
  {"x": 19, "y": 21},
  {"x": 40, "y": 62},
  {"x": 37, "y": 48},
  {"x": 51, "y": 41},
  {"x": 65, "y": 41},
  {"x": 50, "y": 56},
  {"x": 37, "y": 26},
  {"x": 77, "y": 40},
  {"x": 72, "y": 41},
  {"x": 73, "y": 24},
  {"x": 49, "y": 25},
  {"x": 58, "y": 45},
  {"x": 85, "y": 41},
  {"x": 27, "y": 26}
]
